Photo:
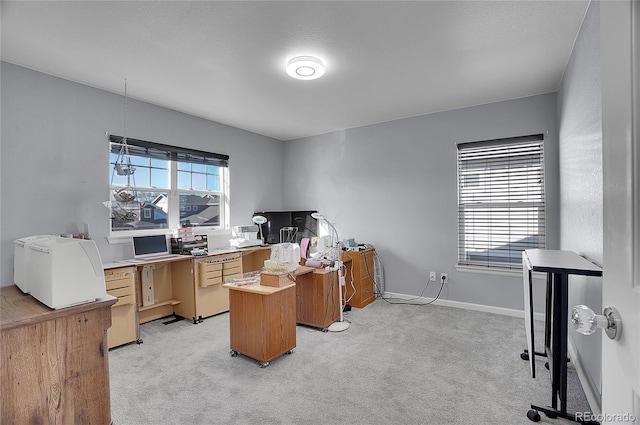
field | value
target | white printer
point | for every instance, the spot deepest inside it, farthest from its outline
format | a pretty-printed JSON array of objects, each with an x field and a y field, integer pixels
[
  {"x": 63, "y": 272},
  {"x": 22, "y": 257}
]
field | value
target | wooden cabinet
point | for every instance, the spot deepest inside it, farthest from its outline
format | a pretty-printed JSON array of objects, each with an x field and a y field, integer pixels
[
  {"x": 362, "y": 270},
  {"x": 120, "y": 283},
  {"x": 185, "y": 286},
  {"x": 262, "y": 321},
  {"x": 204, "y": 295},
  {"x": 317, "y": 298},
  {"x": 55, "y": 363}
]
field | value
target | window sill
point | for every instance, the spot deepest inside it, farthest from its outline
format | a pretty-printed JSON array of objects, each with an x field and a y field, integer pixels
[
  {"x": 496, "y": 272},
  {"x": 120, "y": 239}
]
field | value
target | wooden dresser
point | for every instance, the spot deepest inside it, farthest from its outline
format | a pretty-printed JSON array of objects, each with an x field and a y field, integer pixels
[
  {"x": 363, "y": 278},
  {"x": 55, "y": 363}
]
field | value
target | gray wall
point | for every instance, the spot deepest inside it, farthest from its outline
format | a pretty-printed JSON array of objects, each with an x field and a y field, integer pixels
[
  {"x": 54, "y": 158},
  {"x": 581, "y": 189},
  {"x": 394, "y": 185}
]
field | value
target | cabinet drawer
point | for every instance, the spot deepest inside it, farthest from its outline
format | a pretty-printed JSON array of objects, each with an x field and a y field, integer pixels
[
  {"x": 124, "y": 300},
  {"x": 120, "y": 292},
  {"x": 208, "y": 281},
  {"x": 110, "y": 275},
  {"x": 228, "y": 271},
  {"x": 209, "y": 274},
  {"x": 206, "y": 267},
  {"x": 231, "y": 264},
  {"x": 119, "y": 283},
  {"x": 123, "y": 327}
]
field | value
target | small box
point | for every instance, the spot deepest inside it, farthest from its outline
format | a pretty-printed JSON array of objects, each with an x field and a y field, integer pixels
[
  {"x": 186, "y": 233},
  {"x": 276, "y": 280}
]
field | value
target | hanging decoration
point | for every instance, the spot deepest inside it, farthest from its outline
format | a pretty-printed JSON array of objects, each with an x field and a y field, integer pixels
[{"x": 124, "y": 209}]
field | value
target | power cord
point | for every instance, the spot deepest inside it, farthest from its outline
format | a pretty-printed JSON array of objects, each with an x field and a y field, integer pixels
[
  {"x": 418, "y": 297},
  {"x": 379, "y": 286}
]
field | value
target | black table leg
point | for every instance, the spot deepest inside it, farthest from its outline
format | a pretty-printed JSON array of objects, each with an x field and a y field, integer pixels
[{"x": 562, "y": 355}]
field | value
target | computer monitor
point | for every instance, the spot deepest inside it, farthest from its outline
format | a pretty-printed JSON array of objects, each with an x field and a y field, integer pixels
[
  {"x": 148, "y": 247},
  {"x": 307, "y": 226}
]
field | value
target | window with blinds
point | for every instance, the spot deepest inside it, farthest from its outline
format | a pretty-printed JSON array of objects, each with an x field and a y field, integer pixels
[
  {"x": 173, "y": 186},
  {"x": 501, "y": 202}
]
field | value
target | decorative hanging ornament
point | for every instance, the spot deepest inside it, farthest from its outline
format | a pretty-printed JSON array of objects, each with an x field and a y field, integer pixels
[{"x": 125, "y": 209}]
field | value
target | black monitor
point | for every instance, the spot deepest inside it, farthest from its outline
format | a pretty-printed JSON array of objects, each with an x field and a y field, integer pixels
[{"x": 307, "y": 226}]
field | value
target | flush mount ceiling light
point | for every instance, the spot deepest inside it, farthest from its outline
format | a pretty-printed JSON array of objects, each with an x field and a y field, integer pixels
[{"x": 305, "y": 68}]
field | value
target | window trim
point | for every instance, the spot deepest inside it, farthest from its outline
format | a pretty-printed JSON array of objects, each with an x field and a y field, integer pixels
[
  {"x": 489, "y": 265},
  {"x": 173, "y": 154}
]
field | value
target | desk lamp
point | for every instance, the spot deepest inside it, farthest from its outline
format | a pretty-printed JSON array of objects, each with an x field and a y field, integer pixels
[
  {"x": 340, "y": 325},
  {"x": 259, "y": 220}
]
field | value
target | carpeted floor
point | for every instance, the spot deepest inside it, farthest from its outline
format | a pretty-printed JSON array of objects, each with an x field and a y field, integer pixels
[{"x": 396, "y": 364}]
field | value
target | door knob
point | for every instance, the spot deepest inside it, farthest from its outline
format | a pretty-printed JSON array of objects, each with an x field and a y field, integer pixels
[{"x": 585, "y": 321}]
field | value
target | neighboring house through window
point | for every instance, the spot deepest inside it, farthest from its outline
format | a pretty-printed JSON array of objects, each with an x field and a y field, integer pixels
[
  {"x": 501, "y": 201},
  {"x": 173, "y": 187}
]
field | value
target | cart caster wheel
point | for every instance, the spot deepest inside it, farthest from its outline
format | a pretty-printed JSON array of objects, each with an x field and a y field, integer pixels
[
  {"x": 533, "y": 415},
  {"x": 289, "y": 352},
  {"x": 263, "y": 365},
  {"x": 233, "y": 353},
  {"x": 139, "y": 341},
  {"x": 325, "y": 330},
  {"x": 524, "y": 356},
  {"x": 546, "y": 365}
]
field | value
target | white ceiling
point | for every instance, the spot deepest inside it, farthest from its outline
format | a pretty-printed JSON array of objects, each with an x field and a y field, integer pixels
[{"x": 225, "y": 61}]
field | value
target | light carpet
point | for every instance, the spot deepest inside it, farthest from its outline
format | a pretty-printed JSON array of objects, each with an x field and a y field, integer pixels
[{"x": 396, "y": 364}]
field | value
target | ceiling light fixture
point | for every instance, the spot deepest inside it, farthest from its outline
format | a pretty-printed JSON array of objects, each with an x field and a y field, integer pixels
[{"x": 305, "y": 68}]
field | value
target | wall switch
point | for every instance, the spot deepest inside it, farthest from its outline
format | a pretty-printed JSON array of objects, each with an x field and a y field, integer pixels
[
  {"x": 432, "y": 276},
  {"x": 444, "y": 278}
]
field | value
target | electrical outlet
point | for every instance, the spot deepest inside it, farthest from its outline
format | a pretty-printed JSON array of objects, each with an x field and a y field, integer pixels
[
  {"x": 444, "y": 278},
  {"x": 432, "y": 276}
]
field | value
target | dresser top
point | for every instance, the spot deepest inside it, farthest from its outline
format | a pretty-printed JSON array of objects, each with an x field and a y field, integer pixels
[{"x": 19, "y": 309}]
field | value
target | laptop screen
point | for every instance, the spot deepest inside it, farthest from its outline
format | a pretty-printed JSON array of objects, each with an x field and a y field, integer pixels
[{"x": 150, "y": 246}]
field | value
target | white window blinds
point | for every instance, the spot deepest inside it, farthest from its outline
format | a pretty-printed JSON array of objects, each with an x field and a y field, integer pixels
[{"x": 501, "y": 202}]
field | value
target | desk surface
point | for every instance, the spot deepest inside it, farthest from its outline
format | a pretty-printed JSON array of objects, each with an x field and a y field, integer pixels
[
  {"x": 554, "y": 261},
  {"x": 180, "y": 257}
]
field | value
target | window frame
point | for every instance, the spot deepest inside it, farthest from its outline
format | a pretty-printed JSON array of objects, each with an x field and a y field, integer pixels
[
  {"x": 174, "y": 154},
  {"x": 467, "y": 204}
]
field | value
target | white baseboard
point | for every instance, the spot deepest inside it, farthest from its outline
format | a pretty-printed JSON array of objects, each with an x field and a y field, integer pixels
[
  {"x": 467, "y": 306},
  {"x": 593, "y": 397}
]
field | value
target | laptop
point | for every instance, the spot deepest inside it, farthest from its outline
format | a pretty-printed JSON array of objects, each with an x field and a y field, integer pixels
[{"x": 149, "y": 248}]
